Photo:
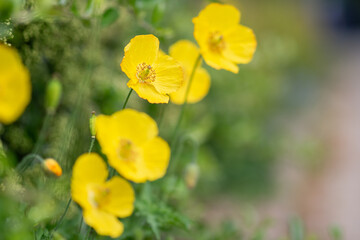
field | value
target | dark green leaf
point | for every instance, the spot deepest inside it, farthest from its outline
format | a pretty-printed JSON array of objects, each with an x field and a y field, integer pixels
[{"x": 109, "y": 17}]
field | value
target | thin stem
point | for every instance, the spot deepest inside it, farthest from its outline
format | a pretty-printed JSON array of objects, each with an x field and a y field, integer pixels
[
  {"x": 177, "y": 126},
  {"x": 62, "y": 216},
  {"x": 70, "y": 200},
  {"x": 127, "y": 98}
]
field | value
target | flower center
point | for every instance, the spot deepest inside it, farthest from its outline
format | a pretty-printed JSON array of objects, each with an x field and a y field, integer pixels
[
  {"x": 127, "y": 150},
  {"x": 216, "y": 42},
  {"x": 145, "y": 73},
  {"x": 97, "y": 195}
]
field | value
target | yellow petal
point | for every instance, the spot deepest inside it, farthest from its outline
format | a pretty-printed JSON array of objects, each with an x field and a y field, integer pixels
[
  {"x": 156, "y": 158},
  {"x": 15, "y": 86},
  {"x": 141, "y": 49},
  {"x": 121, "y": 198},
  {"x": 218, "y": 61},
  {"x": 218, "y": 16},
  {"x": 88, "y": 168},
  {"x": 104, "y": 223},
  {"x": 128, "y": 123},
  {"x": 240, "y": 44},
  {"x": 198, "y": 90},
  {"x": 148, "y": 91},
  {"x": 132, "y": 170},
  {"x": 185, "y": 52},
  {"x": 169, "y": 74}
]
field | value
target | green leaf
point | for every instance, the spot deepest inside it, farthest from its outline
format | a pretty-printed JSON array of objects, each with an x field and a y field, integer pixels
[{"x": 109, "y": 17}]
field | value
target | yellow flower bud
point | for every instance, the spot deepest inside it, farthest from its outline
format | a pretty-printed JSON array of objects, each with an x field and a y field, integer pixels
[
  {"x": 191, "y": 174},
  {"x": 53, "y": 94},
  {"x": 52, "y": 166},
  {"x": 92, "y": 124}
]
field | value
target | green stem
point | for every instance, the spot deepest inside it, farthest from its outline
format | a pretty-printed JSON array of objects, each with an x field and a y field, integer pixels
[
  {"x": 127, "y": 98},
  {"x": 70, "y": 200},
  {"x": 28, "y": 159},
  {"x": 177, "y": 126}
]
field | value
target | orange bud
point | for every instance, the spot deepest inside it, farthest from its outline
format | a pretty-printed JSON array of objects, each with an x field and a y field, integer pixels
[{"x": 52, "y": 166}]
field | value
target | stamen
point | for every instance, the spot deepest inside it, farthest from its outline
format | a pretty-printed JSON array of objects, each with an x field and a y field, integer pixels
[
  {"x": 145, "y": 73},
  {"x": 216, "y": 42}
]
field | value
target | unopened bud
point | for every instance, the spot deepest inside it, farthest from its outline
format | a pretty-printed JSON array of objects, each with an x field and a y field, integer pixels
[
  {"x": 191, "y": 174},
  {"x": 92, "y": 121},
  {"x": 52, "y": 166},
  {"x": 53, "y": 94}
]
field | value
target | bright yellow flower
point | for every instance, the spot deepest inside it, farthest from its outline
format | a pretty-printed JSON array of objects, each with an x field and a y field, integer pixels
[
  {"x": 187, "y": 53},
  {"x": 130, "y": 141},
  {"x": 223, "y": 41},
  {"x": 152, "y": 75},
  {"x": 15, "y": 86},
  {"x": 102, "y": 201}
]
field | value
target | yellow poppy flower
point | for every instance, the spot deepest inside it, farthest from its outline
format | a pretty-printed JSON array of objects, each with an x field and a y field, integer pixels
[
  {"x": 102, "y": 201},
  {"x": 186, "y": 53},
  {"x": 130, "y": 141},
  {"x": 152, "y": 75},
  {"x": 15, "y": 86},
  {"x": 223, "y": 41}
]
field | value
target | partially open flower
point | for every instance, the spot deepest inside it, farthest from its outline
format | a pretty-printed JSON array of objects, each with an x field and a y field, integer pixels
[
  {"x": 130, "y": 141},
  {"x": 52, "y": 166},
  {"x": 186, "y": 53}
]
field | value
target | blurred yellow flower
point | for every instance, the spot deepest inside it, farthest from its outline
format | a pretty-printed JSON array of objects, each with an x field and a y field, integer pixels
[
  {"x": 130, "y": 141},
  {"x": 52, "y": 166},
  {"x": 102, "y": 201},
  {"x": 223, "y": 41},
  {"x": 186, "y": 53},
  {"x": 15, "y": 86},
  {"x": 152, "y": 75}
]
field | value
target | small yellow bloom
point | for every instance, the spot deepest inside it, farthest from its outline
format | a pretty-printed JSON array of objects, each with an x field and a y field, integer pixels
[
  {"x": 130, "y": 141},
  {"x": 52, "y": 166},
  {"x": 15, "y": 86},
  {"x": 152, "y": 75},
  {"x": 223, "y": 41},
  {"x": 102, "y": 201},
  {"x": 186, "y": 53}
]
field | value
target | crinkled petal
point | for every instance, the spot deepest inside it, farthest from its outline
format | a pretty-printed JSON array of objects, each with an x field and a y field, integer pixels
[
  {"x": 169, "y": 74},
  {"x": 104, "y": 223},
  {"x": 198, "y": 90},
  {"x": 121, "y": 198},
  {"x": 218, "y": 16},
  {"x": 89, "y": 168},
  {"x": 217, "y": 61},
  {"x": 141, "y": 49},
  {"x": 148, "y": 91},
  {"x": 240, "y": 44},
  {"x": 156, "y": 158}
]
